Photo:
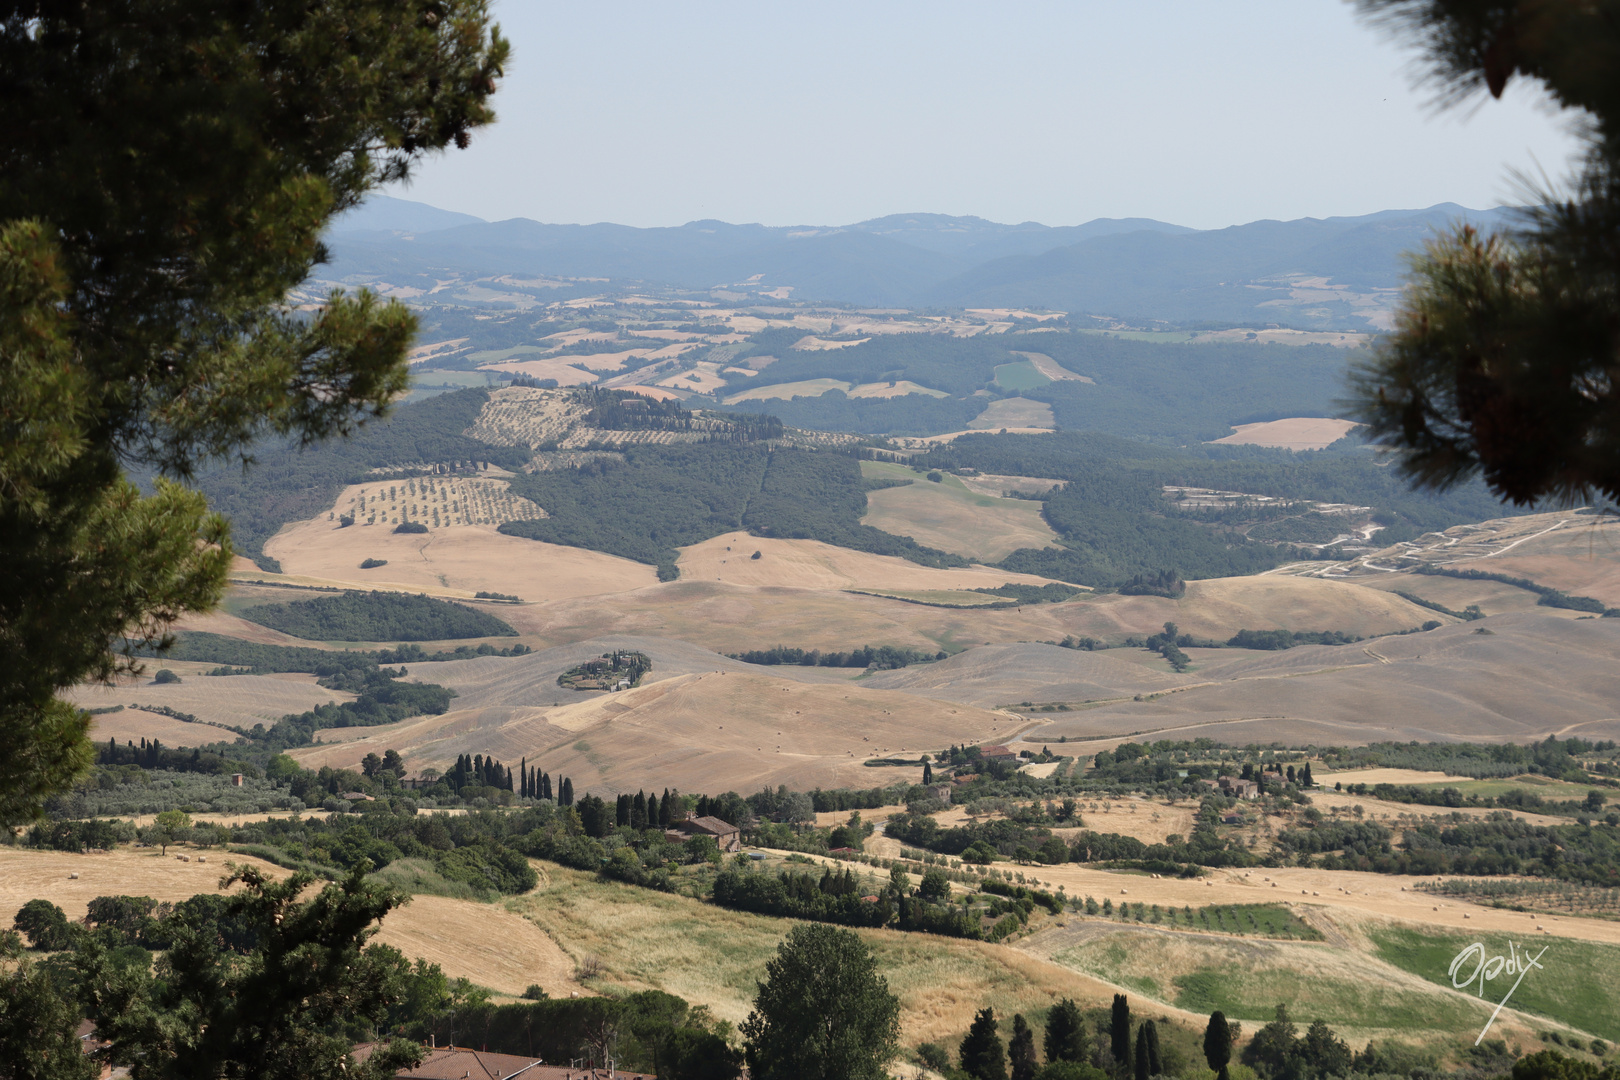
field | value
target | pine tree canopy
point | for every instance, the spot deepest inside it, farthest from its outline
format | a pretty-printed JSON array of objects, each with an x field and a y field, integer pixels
[
  {"x": 167, "y": 168},
  {"x": 1505, "y": 356}
]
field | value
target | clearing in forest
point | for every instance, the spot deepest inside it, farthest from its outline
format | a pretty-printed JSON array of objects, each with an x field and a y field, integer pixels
[{"x": 949, "y": 516}]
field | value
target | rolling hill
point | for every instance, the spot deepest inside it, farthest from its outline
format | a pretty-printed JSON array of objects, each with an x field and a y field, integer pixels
[{"x": 1322, "y": 273}]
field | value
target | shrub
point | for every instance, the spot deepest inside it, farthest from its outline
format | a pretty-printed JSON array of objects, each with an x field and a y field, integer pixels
[
  {"x": 164, "y": 675},
  {"x": 373, "y": 563},
  {"x": 408, "y": 527}
]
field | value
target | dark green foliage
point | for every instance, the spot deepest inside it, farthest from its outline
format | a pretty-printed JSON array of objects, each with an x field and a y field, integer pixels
[
  {"x": 909, "y": 414},
  {"x": 652, "y": 1032},
  {"x": 1272, "y": 640},
  {"x": 39, "y": 1020},
  {"x": 44, "y": 925},
  {"x": 1166, "y": 583},
  {"x": 822, "y": 1011},
  {"x": 1549, "y": 597},
  {"x": 821, "y": 496},
  {"x": 372, "y": 564},
  {"x": 1118, "y": 527},
  {"x": 377, "y": 616},
  {"x": 267, "y": 1013},
  {"x": 1004, "y": 836},
  {"x": 656, "y": 500},
  {"x": 164, "y": 675},
  {"x": 410, "y": 527},
  {"x": 981, "y": 1054},
  {"x": 831, "y": 898},
  {"x": 293, "y": 484},
  {"x": 1034, "y": 594},
  {"x": 1119, "y": 1029},
  {"x": 1021, "y": 1050},
  {"x": 662, "y": 498},
  {"x": 162, "y": 190},
  {"x": 693, "y": 1054},
  {"x": 1217, "y": 1041},
  {"x": 384, "y": 698},
  {"x": 1066, "y": 1037},
  {"x": 1191, "y": 393},
  {"x": 1550, "y": 757},
  {"x": 606, "y": 672},
  {"x": 251, "y": 658},
  {"x": 882, "y": 658},
  {"x": 1148, "y": 1035}
]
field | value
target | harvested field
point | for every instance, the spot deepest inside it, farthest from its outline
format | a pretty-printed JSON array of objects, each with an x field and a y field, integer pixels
[
  {"x": 1013, "y": 413},
  {"x": 950, "y": 517},
  {"x": 1295, "y": 433},
  {"x": 811, "y": 564},
  {"x": 697, "y": 732},
  {"x": 815, "y": 344},
  {"x": 238, "y": 700},
  {"x": 697, "y": 381},
  {"x": 788, "y": 391},
  {"x": 28, "y": 873},
  {"x": 1004, "y": 486},
  {"x": 1532, "y": 676},
  {"x": 485, "y": 943},
  {"x": 1002, "y": 675},
  {"x": 567, "y": 370},
  {"x": 898, "y": 388},
  {"x": 459, "y": 561},
  {"x": 1220, "y": 607}
]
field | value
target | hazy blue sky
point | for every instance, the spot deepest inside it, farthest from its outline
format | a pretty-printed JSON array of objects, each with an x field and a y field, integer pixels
[{"x": 1202, "y": 113}]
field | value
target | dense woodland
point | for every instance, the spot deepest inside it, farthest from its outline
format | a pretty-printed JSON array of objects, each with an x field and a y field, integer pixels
[{"x": 377, "y": 616}]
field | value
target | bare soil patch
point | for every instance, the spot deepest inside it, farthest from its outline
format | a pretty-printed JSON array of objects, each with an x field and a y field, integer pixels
[
  {"x": 1013, "y": 413},
  {"x": 461, "y": 560},
  {"x": 811, "y": 564},
  {"x": 1295, "y": 433},
  {"x": 703, "y": 732}
]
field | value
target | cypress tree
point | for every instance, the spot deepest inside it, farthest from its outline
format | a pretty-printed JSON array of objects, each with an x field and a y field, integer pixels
[
  {"x": 982, "y": 1054},
  {"x": 567, "y": 792},
  {"x": 1218, "y": 1042},
  {"x": 665, "y": 817},
  {"x": 621, "y": 811},
  {"x": 652, "y": 811},
  {"x": 1142, "y": 1072},
  {"x": 508, "y": 779},
  {"x": 523, "y": 776},
  {"x": 1119, "y": 1030},
  {"x": 1150, "y": 1032},
  {"x": 638, "y": 811},
  {"x": 1305, "y": 777},
  {"x": 1021, "y": 1050},
  {"x": 1066, "y": 1033},
  {"x": 545, "y": 786}
]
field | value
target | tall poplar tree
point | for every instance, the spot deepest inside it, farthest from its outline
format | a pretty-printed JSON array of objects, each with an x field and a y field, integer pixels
[{"x": 167, "y": 168}]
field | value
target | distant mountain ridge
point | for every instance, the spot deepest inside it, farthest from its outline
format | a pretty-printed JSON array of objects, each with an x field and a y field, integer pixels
[{"x": 1313, "y": 273}]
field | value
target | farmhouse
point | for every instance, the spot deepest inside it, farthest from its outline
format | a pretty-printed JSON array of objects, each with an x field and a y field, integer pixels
[
  {"x": 1239, "y": 789},
  {"x": 997, "y": 753},
  {"x": 727, "y": 835}
]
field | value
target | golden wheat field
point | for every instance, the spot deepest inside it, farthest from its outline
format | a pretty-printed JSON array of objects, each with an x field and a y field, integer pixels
[{"x": 462, "y": 560}]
